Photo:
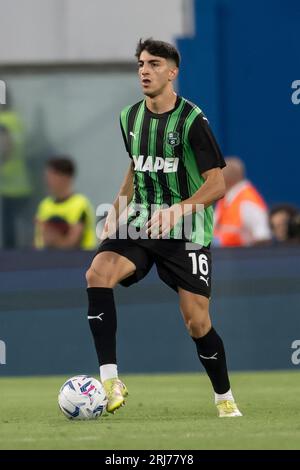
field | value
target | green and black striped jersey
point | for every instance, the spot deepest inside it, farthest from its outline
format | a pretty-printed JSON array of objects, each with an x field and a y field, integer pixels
[{"x": 170, "y": 152}]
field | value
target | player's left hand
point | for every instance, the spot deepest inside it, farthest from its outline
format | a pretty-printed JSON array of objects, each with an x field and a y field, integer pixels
[{"x": 163, "y": 220}]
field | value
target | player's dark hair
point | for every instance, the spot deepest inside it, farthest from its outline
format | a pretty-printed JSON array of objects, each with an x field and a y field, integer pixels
[
  {"x": 159, "y": 49},
  {"x": 62, "y": 164}
]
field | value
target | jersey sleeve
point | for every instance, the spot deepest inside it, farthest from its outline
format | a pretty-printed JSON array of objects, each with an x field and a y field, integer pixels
[
  {"x": 204, "y": 145},
  {"x": 125, "y": 139}
]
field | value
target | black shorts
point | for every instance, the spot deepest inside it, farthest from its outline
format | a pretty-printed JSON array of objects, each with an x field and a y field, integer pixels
[{"x": 176, "y": 266}]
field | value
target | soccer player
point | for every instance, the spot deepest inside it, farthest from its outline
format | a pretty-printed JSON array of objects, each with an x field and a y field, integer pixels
[{"x": 176, "y": 166}]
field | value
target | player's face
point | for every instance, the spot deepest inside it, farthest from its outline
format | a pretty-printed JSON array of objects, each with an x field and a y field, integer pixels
[{"x": 155, "y": 73}]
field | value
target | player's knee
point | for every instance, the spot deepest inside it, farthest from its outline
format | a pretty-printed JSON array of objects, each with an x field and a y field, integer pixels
[
  {"x": 198, "y": 327},
  {"x": 101, "y": 278},
  {"x": 90, "y": 277},
  {"x": 196, "y": 317}
]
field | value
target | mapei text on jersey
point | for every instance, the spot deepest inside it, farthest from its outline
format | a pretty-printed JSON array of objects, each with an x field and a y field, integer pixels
[{"x": 155, "y": 164}]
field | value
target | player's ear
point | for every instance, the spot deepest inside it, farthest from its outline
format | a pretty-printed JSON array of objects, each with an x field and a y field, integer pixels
[{"x": 173, "y": 73}]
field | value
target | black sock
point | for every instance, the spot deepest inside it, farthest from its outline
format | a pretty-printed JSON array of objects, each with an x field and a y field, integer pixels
[
  {"x": 212, "y": 356},
  {"x": 103, "y": 323}
]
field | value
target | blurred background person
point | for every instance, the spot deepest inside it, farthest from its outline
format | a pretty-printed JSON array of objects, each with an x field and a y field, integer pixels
[
  {"x": 15, "y": 186},
  {"x": 281, "y": 219},
  {"x": 241, "y": 217},
  {"x": 65, "y": 219}
]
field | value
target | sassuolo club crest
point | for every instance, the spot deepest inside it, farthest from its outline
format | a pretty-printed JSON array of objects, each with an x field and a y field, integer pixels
[{"x": 173, "y": 138}]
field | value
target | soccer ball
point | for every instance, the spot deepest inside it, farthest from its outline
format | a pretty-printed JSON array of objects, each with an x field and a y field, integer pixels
[{"x": 82, "y": 397}]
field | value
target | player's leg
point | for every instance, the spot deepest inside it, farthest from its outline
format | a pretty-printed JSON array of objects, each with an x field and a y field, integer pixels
[
  {"x": 107, "y": 269},
  {"x": 210, "y": 348}
]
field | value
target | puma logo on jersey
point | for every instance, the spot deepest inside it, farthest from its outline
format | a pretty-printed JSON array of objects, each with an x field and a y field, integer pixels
[{"x": 155, "y": 164}]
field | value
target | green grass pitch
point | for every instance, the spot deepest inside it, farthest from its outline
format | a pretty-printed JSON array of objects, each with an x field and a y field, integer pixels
[{"x": 162, "y": 412}]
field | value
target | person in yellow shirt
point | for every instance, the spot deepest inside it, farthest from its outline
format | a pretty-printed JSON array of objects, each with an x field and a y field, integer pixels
[
  {"x": 64, "y": 219},
  {"x": 15, "y": 187}
]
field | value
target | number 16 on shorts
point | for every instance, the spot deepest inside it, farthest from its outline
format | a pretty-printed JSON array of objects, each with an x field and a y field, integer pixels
[{"x": 200, "y": 266}]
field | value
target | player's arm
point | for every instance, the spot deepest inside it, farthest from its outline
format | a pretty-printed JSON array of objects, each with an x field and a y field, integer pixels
[
  {"x": 212, "y": 190},
  {"x": 120, "y": 204},
  {"x": 210, "y": 162},
  {"x": 126, "y": 190},
  {"x": 124, "y": 195}
]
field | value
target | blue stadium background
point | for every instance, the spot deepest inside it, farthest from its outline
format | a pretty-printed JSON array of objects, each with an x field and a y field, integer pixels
[{"x": 240, "y": 67}]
